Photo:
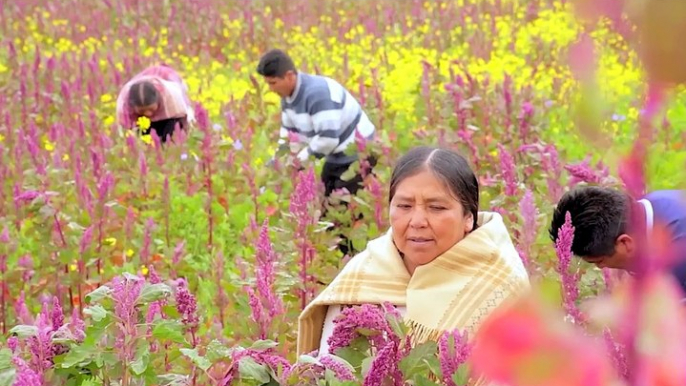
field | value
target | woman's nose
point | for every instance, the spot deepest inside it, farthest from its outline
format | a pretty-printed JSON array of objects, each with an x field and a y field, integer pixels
[{"x": 418, "y": 218}]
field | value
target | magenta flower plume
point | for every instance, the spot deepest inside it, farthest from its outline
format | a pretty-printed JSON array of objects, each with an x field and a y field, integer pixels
[
  {"x": 125, "y": 292},
  {"x": 342, "y": 372},
  {"x": 187, "y": 307},
  {"x": 367, "y": 316},
  {"x": 264, "y": 302},
  {"x": 25, "y": 376},
  {"x": 453, "y": 350},
  {"x": 508, "y": 171},
  {"x": 527, "y": 207},
  {"x": 385, "y": 367},
  {"x": 563, "y": 248}
]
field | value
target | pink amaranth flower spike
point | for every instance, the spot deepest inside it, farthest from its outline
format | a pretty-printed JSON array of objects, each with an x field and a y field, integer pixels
[
  {"x": 563, "y": 248},
  {"x": 342, "y": 372},
  {"x": 368, "y": 317},
  {"x": 384, "y": 367},
  {"x": 25, "y": 376},
  {"x": 508, "y": 171},
  {"x": 452, "y": 354}
]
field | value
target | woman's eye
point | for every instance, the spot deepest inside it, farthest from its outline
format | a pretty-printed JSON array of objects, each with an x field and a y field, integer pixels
[
  {"x": 403, "y": 206},
  {"x": 438, "y": 208}
]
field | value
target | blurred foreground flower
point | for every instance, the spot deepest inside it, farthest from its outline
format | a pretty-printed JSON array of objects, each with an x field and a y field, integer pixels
[
  {"x": 529, "y": 344},
  {"x": 661, "y": 328},
  {"x": 658, "y": 22}
]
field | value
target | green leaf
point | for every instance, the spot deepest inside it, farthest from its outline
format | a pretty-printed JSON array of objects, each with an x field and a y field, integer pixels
[
  {"x": 249, "y": 369},
  {"x": 434, "y": 365},
  {"x": 91, "y": 382},
  {"x": 78, "y": 356},
  {"x": 262, "y": 345},
  {"x": 352, "y": 356},
  {"x": 169, "y": 330},
  {"x": 414, "y": 361},
  {"x": 24, "y": 331},
  {"x": 196, "y": 358},
  {"x": 97, "y": 312},
  {"x": 171, "y": 311},
  {"x": 98, "y": 294},
  {"x": 7, "y": 376},
  {"x": 142, "y": 358},
  {"x": 216, "y": 350},
  {"x": 308, "y": 360},
  {"x": 461, "y": 376},
  {"x": 422, "y": 380},
  {"x": 397, "y": 325},
  {"x": 172, "y": 380},
  {"x": 6, "y": 359},
  {"x": 153, "y": 292},
  {"x": 366, "y": 365}
]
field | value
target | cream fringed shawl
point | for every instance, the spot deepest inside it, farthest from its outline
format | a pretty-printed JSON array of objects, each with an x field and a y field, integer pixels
[{"x": 459, "y": 289}]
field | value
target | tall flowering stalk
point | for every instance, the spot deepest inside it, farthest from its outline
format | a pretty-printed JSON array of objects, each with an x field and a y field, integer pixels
[
  {"x": 147, "y": 240},
  {"x": 527, "y": 207},
  {"x": 508, "y": 171},
  {"x": 264, "y": 302},
  {"x": 186, "y": 305},
  {"x": 384, "y": 369},
  {"x": 563, "y": 248},
  {"x": 125, "y": 292},
  {"x": 376, "y": 191},
  {"x": 301, "y": 198},
  {"x": 207, "y": 161},
  {"x": 453, "y": 350},
  {"x": 583, "y": 172}
]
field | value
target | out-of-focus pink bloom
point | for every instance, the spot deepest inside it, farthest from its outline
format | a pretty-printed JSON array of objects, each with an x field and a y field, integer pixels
[{"x": 527, "y": 344}]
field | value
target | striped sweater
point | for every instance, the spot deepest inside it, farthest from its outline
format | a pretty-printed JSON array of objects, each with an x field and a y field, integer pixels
[{"x": 325, "y": 116}]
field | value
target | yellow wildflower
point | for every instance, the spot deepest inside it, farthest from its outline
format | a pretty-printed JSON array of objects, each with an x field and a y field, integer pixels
[
  {"x": 72, "y": 267},
  {"x": 104, "y": 98},
  {"x": 146, "y": 139},
  {"x": 143, "y": 123},
  {"x": 108, "y": 121},
  {"x": 129, "y": 252},
  {"x": 110, "y": 241},
  {"x": 144, "y": 270},
  {"x": 65, "y": 157},
  {"x": 49, "y": 146}
]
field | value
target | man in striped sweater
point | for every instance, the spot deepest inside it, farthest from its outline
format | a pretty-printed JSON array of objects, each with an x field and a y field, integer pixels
[{"x": 320, "y": 114}]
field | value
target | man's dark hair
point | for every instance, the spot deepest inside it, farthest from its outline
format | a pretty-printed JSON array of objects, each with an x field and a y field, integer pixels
[
  {"x": 143, "y": 94},
  {"x": 275, "y": 63},
  {"x": 599, "y": 216}
]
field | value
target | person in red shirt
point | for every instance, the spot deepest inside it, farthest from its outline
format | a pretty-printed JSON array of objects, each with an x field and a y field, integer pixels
[{"x": 160, "y": 94}]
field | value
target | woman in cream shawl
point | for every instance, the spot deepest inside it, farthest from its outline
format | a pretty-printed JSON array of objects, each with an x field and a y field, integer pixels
[{"x": 442, "y": 263}]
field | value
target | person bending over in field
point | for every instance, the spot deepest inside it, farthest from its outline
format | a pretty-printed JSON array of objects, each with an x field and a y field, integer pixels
[
  {"x": 323, "y": 115},
  {"x": 159, "y": 94},
  {"x": 604, "y": 235},
  {"x": 324, "y": 118}
]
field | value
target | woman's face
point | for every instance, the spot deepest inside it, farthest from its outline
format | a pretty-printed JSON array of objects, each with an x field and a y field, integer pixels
[{"x": 426, "y": 219}]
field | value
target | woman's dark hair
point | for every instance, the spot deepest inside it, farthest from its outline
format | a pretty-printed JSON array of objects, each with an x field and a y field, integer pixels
[
  {"x": 142, "y": 94},
  {"x": 275, "y": 64},
  {"x": 448, "y": 166}
]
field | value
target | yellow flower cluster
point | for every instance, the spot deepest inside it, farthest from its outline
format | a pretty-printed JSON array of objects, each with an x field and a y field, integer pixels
[{"x": 532, "y": 52}]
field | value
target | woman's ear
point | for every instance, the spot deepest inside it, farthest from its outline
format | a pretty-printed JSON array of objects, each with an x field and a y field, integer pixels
[{"x": 469, "y": 223}]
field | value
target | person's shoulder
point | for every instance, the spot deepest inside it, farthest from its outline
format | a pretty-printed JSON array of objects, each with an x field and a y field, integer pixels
[{"x": 673, "y": 201}]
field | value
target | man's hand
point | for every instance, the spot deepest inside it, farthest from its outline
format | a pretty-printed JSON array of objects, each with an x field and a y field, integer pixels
[{"x": 303, "y": 155}]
